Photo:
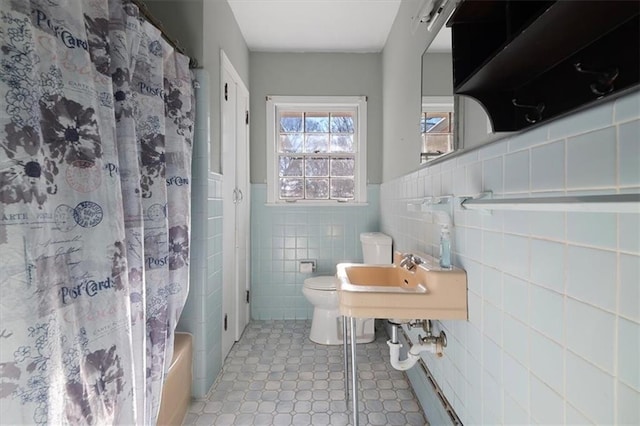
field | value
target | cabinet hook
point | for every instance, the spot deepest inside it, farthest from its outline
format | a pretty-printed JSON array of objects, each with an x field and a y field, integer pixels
[
  {"x": 536, "y": 111},
  {"x": 604, "y": 79}
]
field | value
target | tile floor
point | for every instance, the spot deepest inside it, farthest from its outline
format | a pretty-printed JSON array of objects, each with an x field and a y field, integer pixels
[{"x": 276, "y": 376}]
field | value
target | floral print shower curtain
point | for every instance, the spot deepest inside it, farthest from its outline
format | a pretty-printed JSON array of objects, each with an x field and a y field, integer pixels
[{"x": 96, "y": 124}]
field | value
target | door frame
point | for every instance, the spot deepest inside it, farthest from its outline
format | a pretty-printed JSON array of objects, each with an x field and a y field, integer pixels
[{"x": 236, "y": 202}]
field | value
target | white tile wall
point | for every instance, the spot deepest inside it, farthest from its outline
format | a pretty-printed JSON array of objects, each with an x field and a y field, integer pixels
[
  {"x": 514, "y": 414},
  {"x": 548, "y": 264},
  {"x": 592, "y": 229},
  {"x": 516, "y": 172},
  {"x": 628, "y": 153},
  {"x": 591, "y": 159},
  {"x": 547, "y": 167},
  {"x": 628, "y": 229},
  {"x": 516, "y": 381},
  {"x": 546, "y": 360},
  {"x": 547, "y": 225},
  {"x": 282, "y": 236},
  {"x": 590, "y": 390},
  {"x": 546, "y": 405},
  {"x": 629, "y": 289},
  {"x": 587, "y": 324},
  {"x": 587, "y": 265},
  {"x": 553, "y": 334},
  {"x": 546, "y": 308},
  {"x": 492, "y": 286},
  {"x": 628, "y": 347},
  {"x": 516, "y": 259},
  {"x": 516, "y": 297},
  {"x": 627, "y": 405}
]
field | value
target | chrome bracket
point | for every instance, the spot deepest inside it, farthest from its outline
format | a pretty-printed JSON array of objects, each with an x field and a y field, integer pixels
[{"x": 486, "y": 195}]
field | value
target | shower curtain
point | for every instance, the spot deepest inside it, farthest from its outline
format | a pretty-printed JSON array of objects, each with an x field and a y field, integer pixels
[{"x": 96, "y": 124}]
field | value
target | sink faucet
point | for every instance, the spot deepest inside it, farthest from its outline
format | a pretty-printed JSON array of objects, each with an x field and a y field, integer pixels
[{"x": 410, "y": 261}]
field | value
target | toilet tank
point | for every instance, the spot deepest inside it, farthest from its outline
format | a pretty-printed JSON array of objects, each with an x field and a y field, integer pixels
[{"x": 376, "y": 248}]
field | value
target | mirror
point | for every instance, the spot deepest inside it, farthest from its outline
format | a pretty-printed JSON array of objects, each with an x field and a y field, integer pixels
[
  {"x": 448, "y": 123},
  {"x": 437, "y": 114}
]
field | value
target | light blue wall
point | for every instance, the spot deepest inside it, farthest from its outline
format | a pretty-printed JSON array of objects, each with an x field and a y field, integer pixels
[
  {"x": 281, "y": 236},
  {"x": 553, "y": 335},
  {"x": 203, "y": 309},
  {"x": 202, "y": 316}
]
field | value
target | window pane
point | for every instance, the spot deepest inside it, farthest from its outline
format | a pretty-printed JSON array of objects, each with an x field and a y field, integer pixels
[
  {"x": 316, "y": 122},
  {"x": 291, "y": 166},
  {"x": 291, "y": 188},
  {"x": 436, "y": 122},
  {"x": 436, "y": 144},
  {"x": 291, "y": 142},
  {"x": 290, "y": 122},
  {"x": 341, "y": 143},
  {"x": 317, "y": 189},
  {"x": 342, "y": 166},
  {"x": 342, "y": 188},
  {"x": 317, "y": 166},
  {"x": 316, "y": 143},
  {"x": 342, "y": 122},
  {"x": 317, "y": 149}
]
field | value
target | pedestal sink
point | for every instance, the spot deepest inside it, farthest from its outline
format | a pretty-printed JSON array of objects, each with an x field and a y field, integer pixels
[
  {"x": 425, "y": 291},
  {"x": 390, "y": 291}
]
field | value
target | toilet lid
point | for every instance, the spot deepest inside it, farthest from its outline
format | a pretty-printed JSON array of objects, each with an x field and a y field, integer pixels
[{"x": 321, "y": 283}]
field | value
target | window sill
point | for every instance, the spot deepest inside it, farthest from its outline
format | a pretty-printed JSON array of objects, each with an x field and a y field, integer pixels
[{"x": 318, "y": 204}]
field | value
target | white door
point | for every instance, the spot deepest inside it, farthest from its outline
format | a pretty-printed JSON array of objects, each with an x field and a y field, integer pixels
[
  {"x": 228, "y": 115},
  {"x": 243, "y": 207},
  {"x": 236, "y": 207}
]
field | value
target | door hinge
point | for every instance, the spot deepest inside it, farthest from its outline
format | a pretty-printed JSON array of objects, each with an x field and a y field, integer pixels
[
  {"x": 247, "y": 296},
  {"x": 226, "y": 91},
  {"x": 246, "y": 117},
  {"x": 226, "y": 322}
]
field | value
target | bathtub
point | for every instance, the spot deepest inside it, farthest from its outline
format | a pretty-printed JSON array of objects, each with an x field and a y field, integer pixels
[{"x": 176, "y": 393}]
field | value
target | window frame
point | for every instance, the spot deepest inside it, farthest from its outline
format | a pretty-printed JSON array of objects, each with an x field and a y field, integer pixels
[
  {"x": 437, "y": 104},
  {"x": 317, "y": 104}
]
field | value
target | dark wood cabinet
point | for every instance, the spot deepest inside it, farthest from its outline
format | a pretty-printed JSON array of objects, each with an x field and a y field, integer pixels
[{"x": 527, "y": 62}]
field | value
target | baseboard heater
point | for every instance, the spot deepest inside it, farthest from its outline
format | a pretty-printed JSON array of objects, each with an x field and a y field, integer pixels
[{"x": 436, "y": 407}]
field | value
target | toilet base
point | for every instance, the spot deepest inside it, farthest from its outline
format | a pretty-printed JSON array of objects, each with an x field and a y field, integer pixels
[{"x": 326, "y": 328}]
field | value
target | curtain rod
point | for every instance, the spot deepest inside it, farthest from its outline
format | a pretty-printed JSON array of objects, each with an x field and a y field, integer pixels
[
  {"x": 614, "y": 203},
  {"x": 193, "y": 63}
]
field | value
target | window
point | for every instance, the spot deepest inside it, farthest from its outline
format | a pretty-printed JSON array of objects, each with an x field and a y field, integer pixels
[
  {"x": 436, "y": 127},
  {"x": 316, "y": 149}
]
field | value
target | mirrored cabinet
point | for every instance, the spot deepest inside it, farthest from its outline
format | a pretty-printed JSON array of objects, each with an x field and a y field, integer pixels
[{"x": 438, "y": 116}]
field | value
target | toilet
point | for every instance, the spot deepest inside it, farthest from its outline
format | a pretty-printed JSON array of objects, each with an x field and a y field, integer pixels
[{"x": 322, "y": 293}]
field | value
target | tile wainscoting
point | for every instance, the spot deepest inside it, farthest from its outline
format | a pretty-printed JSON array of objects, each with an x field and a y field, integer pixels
[
  {"x": 283, "y": 235},
  {"x": 553, "y": 334}
]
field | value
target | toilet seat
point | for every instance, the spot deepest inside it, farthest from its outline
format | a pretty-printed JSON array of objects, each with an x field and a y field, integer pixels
[{"x": 325, "y": 283}]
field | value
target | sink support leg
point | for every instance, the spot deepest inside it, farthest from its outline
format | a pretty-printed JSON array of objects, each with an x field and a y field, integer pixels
[
  {"x": 354, "y": 373},
  {"x": 345, "y": 355}
]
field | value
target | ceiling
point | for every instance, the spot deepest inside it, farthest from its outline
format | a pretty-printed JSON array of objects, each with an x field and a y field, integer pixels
[{"x": 315, "y": 25}]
